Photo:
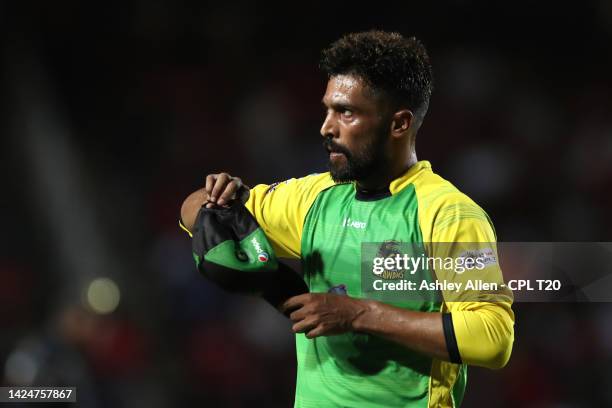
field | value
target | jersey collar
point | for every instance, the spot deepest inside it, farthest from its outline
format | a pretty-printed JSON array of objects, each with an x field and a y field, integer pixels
[
  {"x": 396, "y": 185},
  {"x": 409, "y": 176}
]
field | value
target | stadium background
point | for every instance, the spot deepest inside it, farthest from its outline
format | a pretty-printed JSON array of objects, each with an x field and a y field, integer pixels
[{"x": 111, "y": 113}]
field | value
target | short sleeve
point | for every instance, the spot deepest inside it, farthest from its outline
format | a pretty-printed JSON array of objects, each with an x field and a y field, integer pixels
[{"x": 479, "y": 325}]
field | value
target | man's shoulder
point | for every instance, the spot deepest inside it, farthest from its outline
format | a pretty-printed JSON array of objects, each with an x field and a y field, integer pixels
[
  {"x": 443, "y": 208},
  {"x": 435, "y": 192},
  {"x": 319, "y": 181},
  {"x": 311, "y": 184},
  {"x": 299, "y": 192}
]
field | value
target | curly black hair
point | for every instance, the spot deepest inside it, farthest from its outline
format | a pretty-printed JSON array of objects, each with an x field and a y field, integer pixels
[{"x": 386, "y": 62}]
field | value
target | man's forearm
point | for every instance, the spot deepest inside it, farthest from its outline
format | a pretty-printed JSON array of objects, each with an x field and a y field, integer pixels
[
  {"x": 191, "y": 206},
  {"x": 419, "y": 331}
]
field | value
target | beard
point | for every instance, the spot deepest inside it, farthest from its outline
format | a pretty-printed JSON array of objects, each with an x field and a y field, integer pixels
[{"x": 359, "y": 164}]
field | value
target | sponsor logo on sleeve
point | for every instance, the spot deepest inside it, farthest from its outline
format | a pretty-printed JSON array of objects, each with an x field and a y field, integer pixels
[{"x": 262, "y": 256}]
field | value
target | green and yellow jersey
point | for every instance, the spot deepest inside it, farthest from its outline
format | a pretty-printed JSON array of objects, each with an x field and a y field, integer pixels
[{"x": 324, "y": 224}]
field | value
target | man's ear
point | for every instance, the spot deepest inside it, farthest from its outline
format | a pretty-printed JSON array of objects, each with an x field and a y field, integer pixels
[{"x": 401, "y": 122}]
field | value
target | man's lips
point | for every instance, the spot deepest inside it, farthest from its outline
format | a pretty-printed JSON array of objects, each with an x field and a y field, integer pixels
[
  {"x": 335, "y": 155},
  {"x": 335, "y": 151}
]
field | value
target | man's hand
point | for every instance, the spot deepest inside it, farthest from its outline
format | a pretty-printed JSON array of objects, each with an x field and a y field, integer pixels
[
  {"x": 220, "y": 189},
  {"x": 323, "y": 314},
  {"x": 223, "y": 188},
  {"x": 327, "y": 314}
]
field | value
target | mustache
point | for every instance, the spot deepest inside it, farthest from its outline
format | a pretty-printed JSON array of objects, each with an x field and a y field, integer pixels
[{"x": 333, "y": 147}]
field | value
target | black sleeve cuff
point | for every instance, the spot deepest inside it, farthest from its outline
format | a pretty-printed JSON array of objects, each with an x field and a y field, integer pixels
[{"x": 451, "y": 340}]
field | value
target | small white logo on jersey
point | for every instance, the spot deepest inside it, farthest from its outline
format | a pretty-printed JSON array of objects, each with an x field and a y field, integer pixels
[
  {"x": 347, "y": 222},
  {"x": 261, "y": 255},
  {"x": 256, "y": 244}
]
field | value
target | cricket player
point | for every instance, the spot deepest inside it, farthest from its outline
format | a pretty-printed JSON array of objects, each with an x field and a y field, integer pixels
[{"x": 352, "y": 350}]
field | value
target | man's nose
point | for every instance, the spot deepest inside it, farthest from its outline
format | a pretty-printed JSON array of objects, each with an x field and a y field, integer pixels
[{"x": 329, "y": 129}]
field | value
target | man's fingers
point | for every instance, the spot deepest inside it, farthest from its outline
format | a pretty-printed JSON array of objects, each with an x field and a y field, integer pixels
[
  {"x": 230, "y": 191},
  {"x": 210, "y": 183},
  {"x": 220, "y": 184},
  {"x": 295, "y": 302},
  {"x": 316, "y": 332},
  {"x": 222, "y": 188},
  {"x": 298, "y": 315},
  {"x": 305, "y": 325}
]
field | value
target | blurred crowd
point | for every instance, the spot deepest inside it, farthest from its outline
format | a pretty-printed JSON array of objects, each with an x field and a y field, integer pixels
[{"x": 111, "y": 114}]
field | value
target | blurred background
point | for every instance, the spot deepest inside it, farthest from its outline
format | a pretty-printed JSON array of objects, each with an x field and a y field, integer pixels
[{"x": 111, "y": 113}]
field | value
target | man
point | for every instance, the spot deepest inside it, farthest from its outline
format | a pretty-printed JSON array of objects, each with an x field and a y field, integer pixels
[{"x": 352, "y": 350}]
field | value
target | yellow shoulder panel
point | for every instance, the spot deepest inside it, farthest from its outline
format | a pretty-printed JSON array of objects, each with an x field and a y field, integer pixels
[
  {"x": 281, "y": 208},
  {"x": 442, "y": 207}
]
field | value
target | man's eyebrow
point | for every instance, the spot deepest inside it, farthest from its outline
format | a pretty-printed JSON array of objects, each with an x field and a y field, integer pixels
[{"x": 337, "y": 105}]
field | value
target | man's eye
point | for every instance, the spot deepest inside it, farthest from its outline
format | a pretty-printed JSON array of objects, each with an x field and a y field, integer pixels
[{"x": 347, "y": 113}]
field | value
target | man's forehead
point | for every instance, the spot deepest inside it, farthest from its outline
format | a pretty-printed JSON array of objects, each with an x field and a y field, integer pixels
[{"x": 342, "y": 88}]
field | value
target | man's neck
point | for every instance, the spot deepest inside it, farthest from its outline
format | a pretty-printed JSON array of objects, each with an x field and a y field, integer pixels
[{"x": 382, "y": 179}]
